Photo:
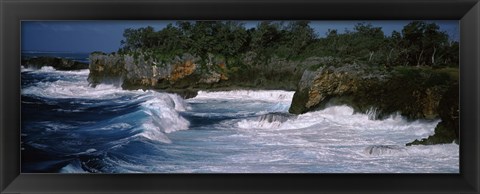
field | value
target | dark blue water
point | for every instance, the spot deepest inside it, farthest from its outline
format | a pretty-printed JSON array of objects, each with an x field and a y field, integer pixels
[{"x": 68, "y": 126}]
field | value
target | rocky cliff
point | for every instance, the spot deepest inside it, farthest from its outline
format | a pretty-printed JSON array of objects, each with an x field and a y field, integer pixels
[
  {"x": 55, "y": 62},
  {"x": 188, "y": 72},
  {"x": 143, "y": 72},
  {"x": 415, "y": 93}
]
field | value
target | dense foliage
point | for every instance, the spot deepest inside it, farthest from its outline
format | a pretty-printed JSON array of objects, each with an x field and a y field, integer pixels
[{"x": 417, "y": 44}]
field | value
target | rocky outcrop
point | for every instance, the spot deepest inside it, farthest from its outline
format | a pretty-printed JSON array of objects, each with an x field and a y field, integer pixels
[
  {"x": 192, "y": 73},
  {"x": 182, "y": 70},
  {"x": 415, "y": 93},
  {"x": 55, "y": 62},
  {"x": 145, "y": 72},
  {"x": 447, "y": 131}
]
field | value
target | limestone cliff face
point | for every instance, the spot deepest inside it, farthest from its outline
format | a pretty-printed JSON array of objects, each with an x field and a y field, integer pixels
[
  {"x": 194, "y": 73},
  {"x": 143, "y": 72},
  {"x": 415, "y": 93},
  {"x": 182, "y": 70},
  {"x": 317, "y": 87}
]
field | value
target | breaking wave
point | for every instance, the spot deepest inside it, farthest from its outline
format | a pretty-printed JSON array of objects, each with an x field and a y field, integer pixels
[
  {"x": 71, "y": 127},
  {"x": 271, "y": 95}
]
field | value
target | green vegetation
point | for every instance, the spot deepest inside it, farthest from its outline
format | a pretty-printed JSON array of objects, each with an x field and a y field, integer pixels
[
  {"x": 275, "y": 54},
  {"x": 418, "y": 44}
]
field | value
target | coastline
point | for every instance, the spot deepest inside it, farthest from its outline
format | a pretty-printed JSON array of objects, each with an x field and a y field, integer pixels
[{"x": 342, "y": 85}]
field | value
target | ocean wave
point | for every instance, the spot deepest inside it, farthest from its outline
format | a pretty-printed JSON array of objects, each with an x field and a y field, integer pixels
[
  {"x": 377, "y": 150},
  {"x": 341, "y": 125},
  {"x": 73, "y": 89},
  {"x": 179, "y": 102},
  {"x": 116, "y": 127},
  {"x": 73, "y": 167},
  {"x": 345, "y": 116},
  {"x": 163, "y": 113},
  {"x": 440, "y": 150},
  {"x": 263, "y": 95},
  {"x": 73, "y": 84},
  {"x": 266, "y": 121},
  {"x": 163, "y": 116}
]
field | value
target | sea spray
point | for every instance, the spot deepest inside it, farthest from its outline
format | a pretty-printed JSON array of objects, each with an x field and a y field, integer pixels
[{"x": 271, "y": 95}]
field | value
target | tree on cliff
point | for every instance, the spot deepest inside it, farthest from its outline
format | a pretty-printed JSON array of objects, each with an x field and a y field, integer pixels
[
  {"x": 300, "y": 35},
  {"x": 138, "y": 39},
  {"x": 418, "y": 44},
  {"x": 424, "y": 42},
  {"x": 368, "y": 40},
  {"x": 266, "y": 38}
]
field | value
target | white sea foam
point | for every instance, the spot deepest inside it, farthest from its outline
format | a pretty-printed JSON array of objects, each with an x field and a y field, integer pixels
[
  {"x": 72, "y": 89},
  {"x": 376, "y": 150},
  {"x": 50, "y": 69},
  {"x": 440, "y": 150},
  {"x": 263, "y": 95},
  {"x": 213, "y": 115},
  {"x": 342, "y": 141},
  {"x": 154, "y": 133},
  {"x": 24, "y": 69},
  {"x": 74, "y": 84},
  {"x": 44, "y": 69},
  {"x": 344, "y": 116},
  {"x": 163, "y": 114},
  {"x": 180, "y": 104},
  {"x": 255, "y": 124},
  {"x": 279, "y": 107},
  {"x": 73, "y": 167},
  {"x": 83, "y": 72},
  {"x": 116, "y": 127},
  {"x": 47, "y": 69},
  {"x": 163, "y": 117},
  {"x": 88, "y": 151},
  {"x": 265, "y": 121}
]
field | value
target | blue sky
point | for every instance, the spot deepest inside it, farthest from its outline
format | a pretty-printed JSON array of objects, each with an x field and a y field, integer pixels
[{"x": 89, "y": 36}]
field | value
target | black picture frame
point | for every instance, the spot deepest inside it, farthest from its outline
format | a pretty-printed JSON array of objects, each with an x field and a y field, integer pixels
[{"x": 14, "y": 11}]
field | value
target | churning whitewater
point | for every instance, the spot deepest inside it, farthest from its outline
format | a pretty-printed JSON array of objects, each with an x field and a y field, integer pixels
[{"x": 70, "y": 127}]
